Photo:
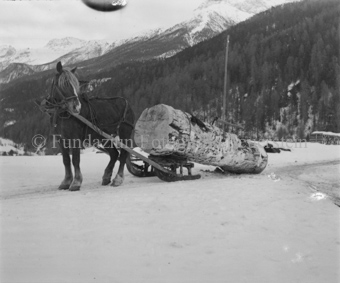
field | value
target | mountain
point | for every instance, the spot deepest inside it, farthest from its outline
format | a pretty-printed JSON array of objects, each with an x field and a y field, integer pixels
[
  {"x": 283, "y": 77},
  {"x": 16, "y": 63},
  {"x": 214, "y": 16},
  {"x": 283, "y": 74},
  {"x": 14, "y": 71},
  {"x": 6, "y": 51},
  {"x": 65, "y": 44},
  {"x": 51, "y": 51},
  {"x": 88, "y": 50},
  {"x": 209, "y": 19}
]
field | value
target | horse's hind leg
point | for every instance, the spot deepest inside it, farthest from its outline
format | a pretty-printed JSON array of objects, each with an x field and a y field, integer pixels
[
  {"x": 113, "y": 152},
  {"x": 78, "y": 177},
  {"x": 66, "y": 183},
  {"x": 118, "y": 180}
]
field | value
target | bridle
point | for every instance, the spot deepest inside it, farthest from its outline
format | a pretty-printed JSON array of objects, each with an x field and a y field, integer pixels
[
  {"x": 62, "y": 103},
  {"x": 58, "y": 107}
]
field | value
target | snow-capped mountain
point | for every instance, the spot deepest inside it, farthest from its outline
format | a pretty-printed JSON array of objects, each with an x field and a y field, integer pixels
[
  {"x": 214, "y": 16},
  {"x": 65, "y": 44},
  {"x": 6, "y": 51},
  {"x": 88, "y": 50},
  {"x": 69, "y": 48},
  {"x": 209, "y": 19},
  {"x": 17, "y": 63}
]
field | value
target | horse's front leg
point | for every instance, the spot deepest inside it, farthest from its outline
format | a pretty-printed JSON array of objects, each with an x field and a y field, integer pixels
[
  {"x": 66, "y": 183},
  {"x": 119, "y": 179},
  {"x": 78, "y": 177}
]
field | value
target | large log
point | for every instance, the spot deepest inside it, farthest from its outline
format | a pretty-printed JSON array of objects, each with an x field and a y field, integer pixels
[{"x": 162, "y": 130}]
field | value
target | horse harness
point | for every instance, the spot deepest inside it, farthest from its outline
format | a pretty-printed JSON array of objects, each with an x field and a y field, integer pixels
[
  {"x": 93, "y": 114},
  {"x": 60, "y": 110},
  {"x": 54, "y": 108}
]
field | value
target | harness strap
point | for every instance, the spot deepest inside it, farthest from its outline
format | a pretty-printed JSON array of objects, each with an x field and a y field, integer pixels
[
  {"x": 93, "y": 114},
  {"x": 124, "y": 115},
  {"x": 55, "y": 117},
  {"x": 63, "y": 96}
]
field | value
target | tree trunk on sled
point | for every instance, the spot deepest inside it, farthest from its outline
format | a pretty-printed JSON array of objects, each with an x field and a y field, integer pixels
[{"x": 162, "y": 130}]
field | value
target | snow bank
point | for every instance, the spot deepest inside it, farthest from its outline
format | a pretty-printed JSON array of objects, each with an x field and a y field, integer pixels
[
  {"x": 326, "y": 133},
  {"x": 7, "y": 145}
]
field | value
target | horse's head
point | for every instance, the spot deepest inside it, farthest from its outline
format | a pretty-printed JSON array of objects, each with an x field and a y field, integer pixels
[{"x": 65, "y": 89}]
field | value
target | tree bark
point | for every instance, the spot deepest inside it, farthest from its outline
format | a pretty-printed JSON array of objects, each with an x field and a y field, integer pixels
[{"x": 162, "y": 130}]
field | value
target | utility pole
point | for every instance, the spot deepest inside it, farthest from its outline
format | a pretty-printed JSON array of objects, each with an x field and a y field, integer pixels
[{"x": 225, "y": 84}]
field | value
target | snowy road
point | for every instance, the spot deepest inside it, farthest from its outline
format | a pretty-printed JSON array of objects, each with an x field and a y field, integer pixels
[{"x": 272, "y": 227}]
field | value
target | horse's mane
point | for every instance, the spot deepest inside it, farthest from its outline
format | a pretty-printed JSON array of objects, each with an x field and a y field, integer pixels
[{"x": 67, "y": 79}]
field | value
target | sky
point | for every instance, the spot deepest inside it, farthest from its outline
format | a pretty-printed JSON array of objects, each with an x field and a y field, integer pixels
[{"x": 32, "y": 23}]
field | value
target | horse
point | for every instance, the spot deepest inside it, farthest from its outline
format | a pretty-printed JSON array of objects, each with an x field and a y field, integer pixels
[{"x": 113, "y": 115}]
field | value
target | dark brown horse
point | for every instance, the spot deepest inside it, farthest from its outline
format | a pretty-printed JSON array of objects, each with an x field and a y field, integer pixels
[{"x": 112, "y": 115}]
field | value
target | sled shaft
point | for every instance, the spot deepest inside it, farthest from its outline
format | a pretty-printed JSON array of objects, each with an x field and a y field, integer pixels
[{"x": 119, "y": 144}]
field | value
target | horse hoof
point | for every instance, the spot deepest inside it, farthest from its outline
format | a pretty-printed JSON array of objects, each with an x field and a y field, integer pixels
[
  {"x": 106, "y": 182},
  {"x": 74, "y": 188},
  {"x": 64, "y": 187},
  {"x": 117, "y": 181}
]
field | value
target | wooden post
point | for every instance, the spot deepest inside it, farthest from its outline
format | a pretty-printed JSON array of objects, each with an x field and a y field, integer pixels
[{"x": 225, "y": 84}]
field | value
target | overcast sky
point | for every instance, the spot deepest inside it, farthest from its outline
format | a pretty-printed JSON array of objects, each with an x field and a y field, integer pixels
[{"x": 33, "y": 23}]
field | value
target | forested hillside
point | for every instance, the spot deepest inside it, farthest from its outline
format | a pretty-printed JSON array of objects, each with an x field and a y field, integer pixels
[{"x": 283, "y": 77}]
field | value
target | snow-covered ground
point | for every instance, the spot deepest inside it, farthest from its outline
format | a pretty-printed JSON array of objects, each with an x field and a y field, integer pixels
[{"x": 278, "y": 226}]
